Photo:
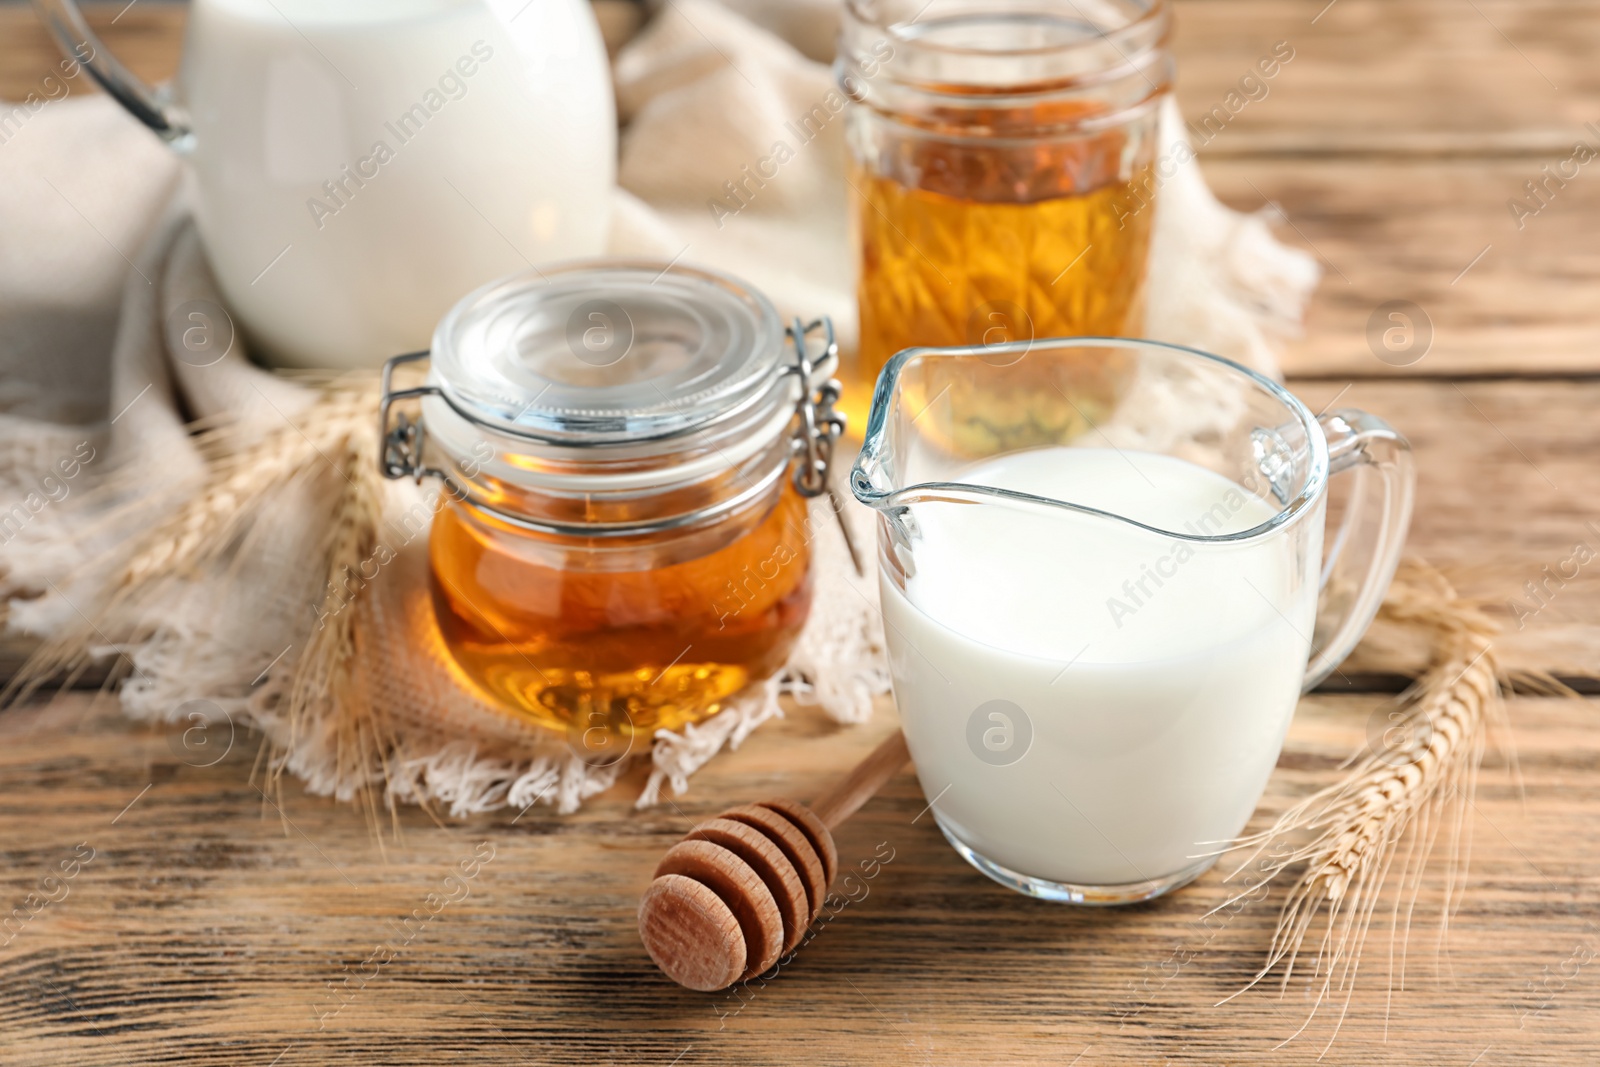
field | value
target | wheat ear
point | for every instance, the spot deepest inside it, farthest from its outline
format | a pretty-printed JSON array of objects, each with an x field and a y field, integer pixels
[
  {"x": 239, "y": 478},
  {"x": 1405, "y": 792},
  {"x": 323, "y": 681}
]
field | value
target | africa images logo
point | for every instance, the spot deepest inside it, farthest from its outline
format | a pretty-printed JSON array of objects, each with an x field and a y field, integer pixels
[{"x": 999, "y": 732}]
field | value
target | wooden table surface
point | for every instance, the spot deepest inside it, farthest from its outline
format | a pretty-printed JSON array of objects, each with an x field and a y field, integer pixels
[{"x": 211, "y": 924}]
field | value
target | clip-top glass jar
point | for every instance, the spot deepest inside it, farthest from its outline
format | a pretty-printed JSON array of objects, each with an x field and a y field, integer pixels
[
  {"x": 627, "y": 449},
  {"x": 1002, "y": 157}
]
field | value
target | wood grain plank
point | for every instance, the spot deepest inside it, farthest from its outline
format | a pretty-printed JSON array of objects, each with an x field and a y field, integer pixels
[
  {"x": 1500, "y": 300},
  {"x": 1408, "y": 78},
  {"x": 1506, "y": 487},
  {"x": 207, "y": 927}
]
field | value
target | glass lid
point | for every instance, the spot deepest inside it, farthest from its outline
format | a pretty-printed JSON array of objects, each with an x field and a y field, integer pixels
[{"x": 607, "y": 351}]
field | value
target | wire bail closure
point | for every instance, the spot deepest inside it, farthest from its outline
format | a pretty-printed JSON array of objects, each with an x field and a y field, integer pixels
[
  {"x": 819, "y": 424},
  {"x": 402, "y": 442},
  {"x": 400, "y": 445}
]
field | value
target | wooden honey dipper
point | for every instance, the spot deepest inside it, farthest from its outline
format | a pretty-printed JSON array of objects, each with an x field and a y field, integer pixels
[{"x": 741, "y": 890}]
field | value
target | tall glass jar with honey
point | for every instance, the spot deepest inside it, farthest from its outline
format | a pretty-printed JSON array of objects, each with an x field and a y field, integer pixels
[
  {"x": 1002, "y": 183},
  {"x": 626, "y": 449}
]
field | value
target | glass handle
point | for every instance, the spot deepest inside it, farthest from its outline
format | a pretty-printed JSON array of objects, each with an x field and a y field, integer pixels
[
  {"x": 79, "y": 43},
  {"x": 1366, "y": 548}
]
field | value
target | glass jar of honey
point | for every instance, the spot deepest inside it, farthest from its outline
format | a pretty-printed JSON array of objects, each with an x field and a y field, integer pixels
[
  {"x": 1002, "y": 157},
  {"x": 626, "y": 450}
]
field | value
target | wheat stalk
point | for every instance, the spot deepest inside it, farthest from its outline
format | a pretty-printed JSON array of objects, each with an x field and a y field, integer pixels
[
  {"x": 323, "y": 675},
  {"x": 1407, "y": 792},
  {"x": 239, "y": 478}
]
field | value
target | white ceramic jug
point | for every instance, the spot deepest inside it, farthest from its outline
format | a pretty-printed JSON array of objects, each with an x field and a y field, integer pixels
[{"x": 358, "y": 165}]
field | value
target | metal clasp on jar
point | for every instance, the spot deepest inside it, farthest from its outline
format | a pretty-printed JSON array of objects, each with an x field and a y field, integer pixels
[
  {"x": 400, "y": 444},
  {"x": 819, "y": 426}
]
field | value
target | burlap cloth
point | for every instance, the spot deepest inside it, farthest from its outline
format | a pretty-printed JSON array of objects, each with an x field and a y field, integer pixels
[{"x": 96, "y": 411}]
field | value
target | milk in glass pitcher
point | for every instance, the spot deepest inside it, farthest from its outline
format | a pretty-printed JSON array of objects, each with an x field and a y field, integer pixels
[
  {"x": 359, "y": 165},
  {"x": 1101, "y": 595}
]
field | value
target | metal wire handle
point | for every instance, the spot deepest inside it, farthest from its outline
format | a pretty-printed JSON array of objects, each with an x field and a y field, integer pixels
[
  {"x": 78, "y": 43},
  {"x": 400, "y": 443},
  {"x": 820, "y": 425}
]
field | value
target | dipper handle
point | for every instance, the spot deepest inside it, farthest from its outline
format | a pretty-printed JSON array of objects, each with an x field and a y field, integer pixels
[{"x": 862, "y": 783}]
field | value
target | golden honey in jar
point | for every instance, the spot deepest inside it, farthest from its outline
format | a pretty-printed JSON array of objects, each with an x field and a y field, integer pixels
[
  {"x": 625, "y": 545},
  {"x": 1001, "y": 172}
]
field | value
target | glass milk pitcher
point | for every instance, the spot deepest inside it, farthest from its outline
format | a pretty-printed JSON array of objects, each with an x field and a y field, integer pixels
[
  {"x": 1101, "y": 595},
  {"x": 359, "y": 165}
]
